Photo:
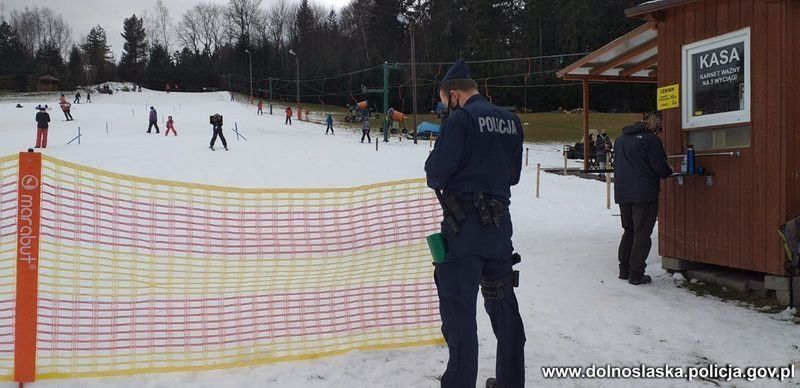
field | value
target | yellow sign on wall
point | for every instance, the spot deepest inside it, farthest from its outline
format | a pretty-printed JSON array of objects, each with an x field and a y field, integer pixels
[{"x": 669, "y": 97}]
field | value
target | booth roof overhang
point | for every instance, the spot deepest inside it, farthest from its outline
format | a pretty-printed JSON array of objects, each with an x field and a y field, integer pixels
[{"x": 632, "y": 57}]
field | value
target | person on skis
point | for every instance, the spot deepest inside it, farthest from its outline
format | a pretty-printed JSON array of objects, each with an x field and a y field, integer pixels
[
  {"x": 65, "y": 107},
  {"x": 329, "y": 121},
  {"x": 170, "y": 127},
  {"x": 288, "y": 116},
  {"x": 77, "y": 98},
  {"x": 365, "y": 130},
  {"x": 216, "y": 122},
  {"x": 260, "y": 108}
]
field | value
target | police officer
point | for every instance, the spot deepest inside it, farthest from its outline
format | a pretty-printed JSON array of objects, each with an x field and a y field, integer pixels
[
  {"x": 476, "y": 160},
  {"x": 640, "y": 163}
]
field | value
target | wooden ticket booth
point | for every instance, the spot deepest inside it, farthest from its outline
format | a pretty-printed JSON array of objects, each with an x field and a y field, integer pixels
[{"x": 727, "y": 73}]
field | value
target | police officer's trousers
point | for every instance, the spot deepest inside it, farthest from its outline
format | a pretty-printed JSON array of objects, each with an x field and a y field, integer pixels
[{"x": 478, "y": 252}]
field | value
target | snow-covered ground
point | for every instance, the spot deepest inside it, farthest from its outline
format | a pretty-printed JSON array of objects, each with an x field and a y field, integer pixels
[{"x": 577, "y": 313}]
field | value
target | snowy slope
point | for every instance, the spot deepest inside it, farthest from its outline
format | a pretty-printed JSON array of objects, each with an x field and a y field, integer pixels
[{"x": 576, "y": 312}]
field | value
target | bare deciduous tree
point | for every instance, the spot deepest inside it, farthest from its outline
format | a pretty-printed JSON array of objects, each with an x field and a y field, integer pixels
[
  {"x": 241, "y": 16},
  {"x": 38, "y": 25},
  {"x": 159, "y": 25},
  {"x": 200, "y": 27},
  {"x": 278, "y": 19}
]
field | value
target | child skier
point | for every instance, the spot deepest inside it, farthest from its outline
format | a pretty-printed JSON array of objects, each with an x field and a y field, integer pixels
[
  {"x": 329, "y": 121},
  {"x": 170, "y": 126},
  {"x": 216, "y": 121},
  {"x": 42, "y": 123},
  {"x": 288, "y": 115},
  {"x": 77, "y": 98},
  {"x": 365, "y": 130},
  {"x": 260, "y": 108}
]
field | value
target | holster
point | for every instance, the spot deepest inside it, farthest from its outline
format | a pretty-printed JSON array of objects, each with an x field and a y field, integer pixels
[{"x": 490, "y": 210}]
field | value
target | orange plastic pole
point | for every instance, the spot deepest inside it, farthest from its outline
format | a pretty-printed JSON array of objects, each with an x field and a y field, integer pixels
[{"x": 28, "y": 212}]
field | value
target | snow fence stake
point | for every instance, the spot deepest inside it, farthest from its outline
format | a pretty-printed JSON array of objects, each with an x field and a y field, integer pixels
[
  {"x": 78, "y": 138},
  {"x": 538, "y": 177},
  {"x": 236, "y": 130},
  {"x": 106, "y": 126}
]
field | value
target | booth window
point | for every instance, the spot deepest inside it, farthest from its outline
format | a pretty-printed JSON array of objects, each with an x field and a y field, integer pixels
[
  {"x": 722, "y": 138},
  {"x": 716, "y": 81}
]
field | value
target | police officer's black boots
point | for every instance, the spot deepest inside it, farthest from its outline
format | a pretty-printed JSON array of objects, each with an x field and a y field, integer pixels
[
  {"x": 491, "y": 382},
  {"x": 624, "y": 272},
  {"x": 637, "y": 279}
]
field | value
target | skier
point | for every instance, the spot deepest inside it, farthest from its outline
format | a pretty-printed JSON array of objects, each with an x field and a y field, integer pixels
[
  {"x": 216, "y": 121},
  {"x": 42, "y": 124},
  {"x": 260, "y": 108},
  {"x": 167, "y": 87},
  {"x": 153, "y": 120},
  {"x": 88, "y": 98},
  {"x": 65, "y": 107},
  {"x": 288, "y": 115},
  {"x": 476, "y": 160},
  {"x": 329, "y": 121},
  {"x": 640, "y": 163},
  {"x": 77, "y": 98},
  {"x": 365, "y": 130},
  {"x": 170, "y": 126}
]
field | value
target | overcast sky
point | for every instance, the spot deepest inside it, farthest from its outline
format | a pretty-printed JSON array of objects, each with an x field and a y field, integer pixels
[{"x": 83, "y": 14}]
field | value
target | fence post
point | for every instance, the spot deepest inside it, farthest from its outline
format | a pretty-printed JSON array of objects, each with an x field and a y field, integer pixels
[
  {"x": 608, "y": 191},
  {"x": 565, "y": 163},
  {"x": 28, "y": 212},
  {"x": 538, "y": 177},
  {"x": 527, "y": 151}
]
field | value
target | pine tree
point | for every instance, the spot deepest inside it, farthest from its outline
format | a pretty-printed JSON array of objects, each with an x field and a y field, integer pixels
[
  {"x": 48, "y": 59},
  {"x": 160, "y": 68},
  {"x": 11, "y": 57},
  {"x": 133, "y": 61},
  {"x": 97, "y": 55},
  {"x": 75, "y": 68}
]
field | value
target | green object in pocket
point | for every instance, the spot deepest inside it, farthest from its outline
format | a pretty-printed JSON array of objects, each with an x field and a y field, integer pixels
[{"x": 437, "y": 247}]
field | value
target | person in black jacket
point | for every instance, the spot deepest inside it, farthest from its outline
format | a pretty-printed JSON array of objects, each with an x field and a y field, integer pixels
[
  {"x": 639, "y": 165},
  {"x": 476, "y": 160},
  {"x": 216, "y": 122},
  {"x": 42, "y": 124}
]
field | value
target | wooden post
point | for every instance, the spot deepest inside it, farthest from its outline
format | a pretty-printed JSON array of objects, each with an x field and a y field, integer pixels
[
  {"x": 527, "y": 151},
  {"x": 565, "y": 163},
  {"x": 608, "y": 191},
  {"x": 586, "y": 125},
  {"x": 538, "y": 177},
  {"x": 27, "y": 287},
  {"x": 376, "y": 144}
]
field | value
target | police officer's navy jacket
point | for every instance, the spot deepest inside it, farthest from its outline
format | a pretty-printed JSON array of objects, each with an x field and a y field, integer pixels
[
  {"x": 639, "y": 165},
  {"x": 479, "y": 149}
]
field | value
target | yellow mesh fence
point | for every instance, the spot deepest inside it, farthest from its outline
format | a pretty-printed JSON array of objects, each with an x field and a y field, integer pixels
[{"x": 141, "y": 275}]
